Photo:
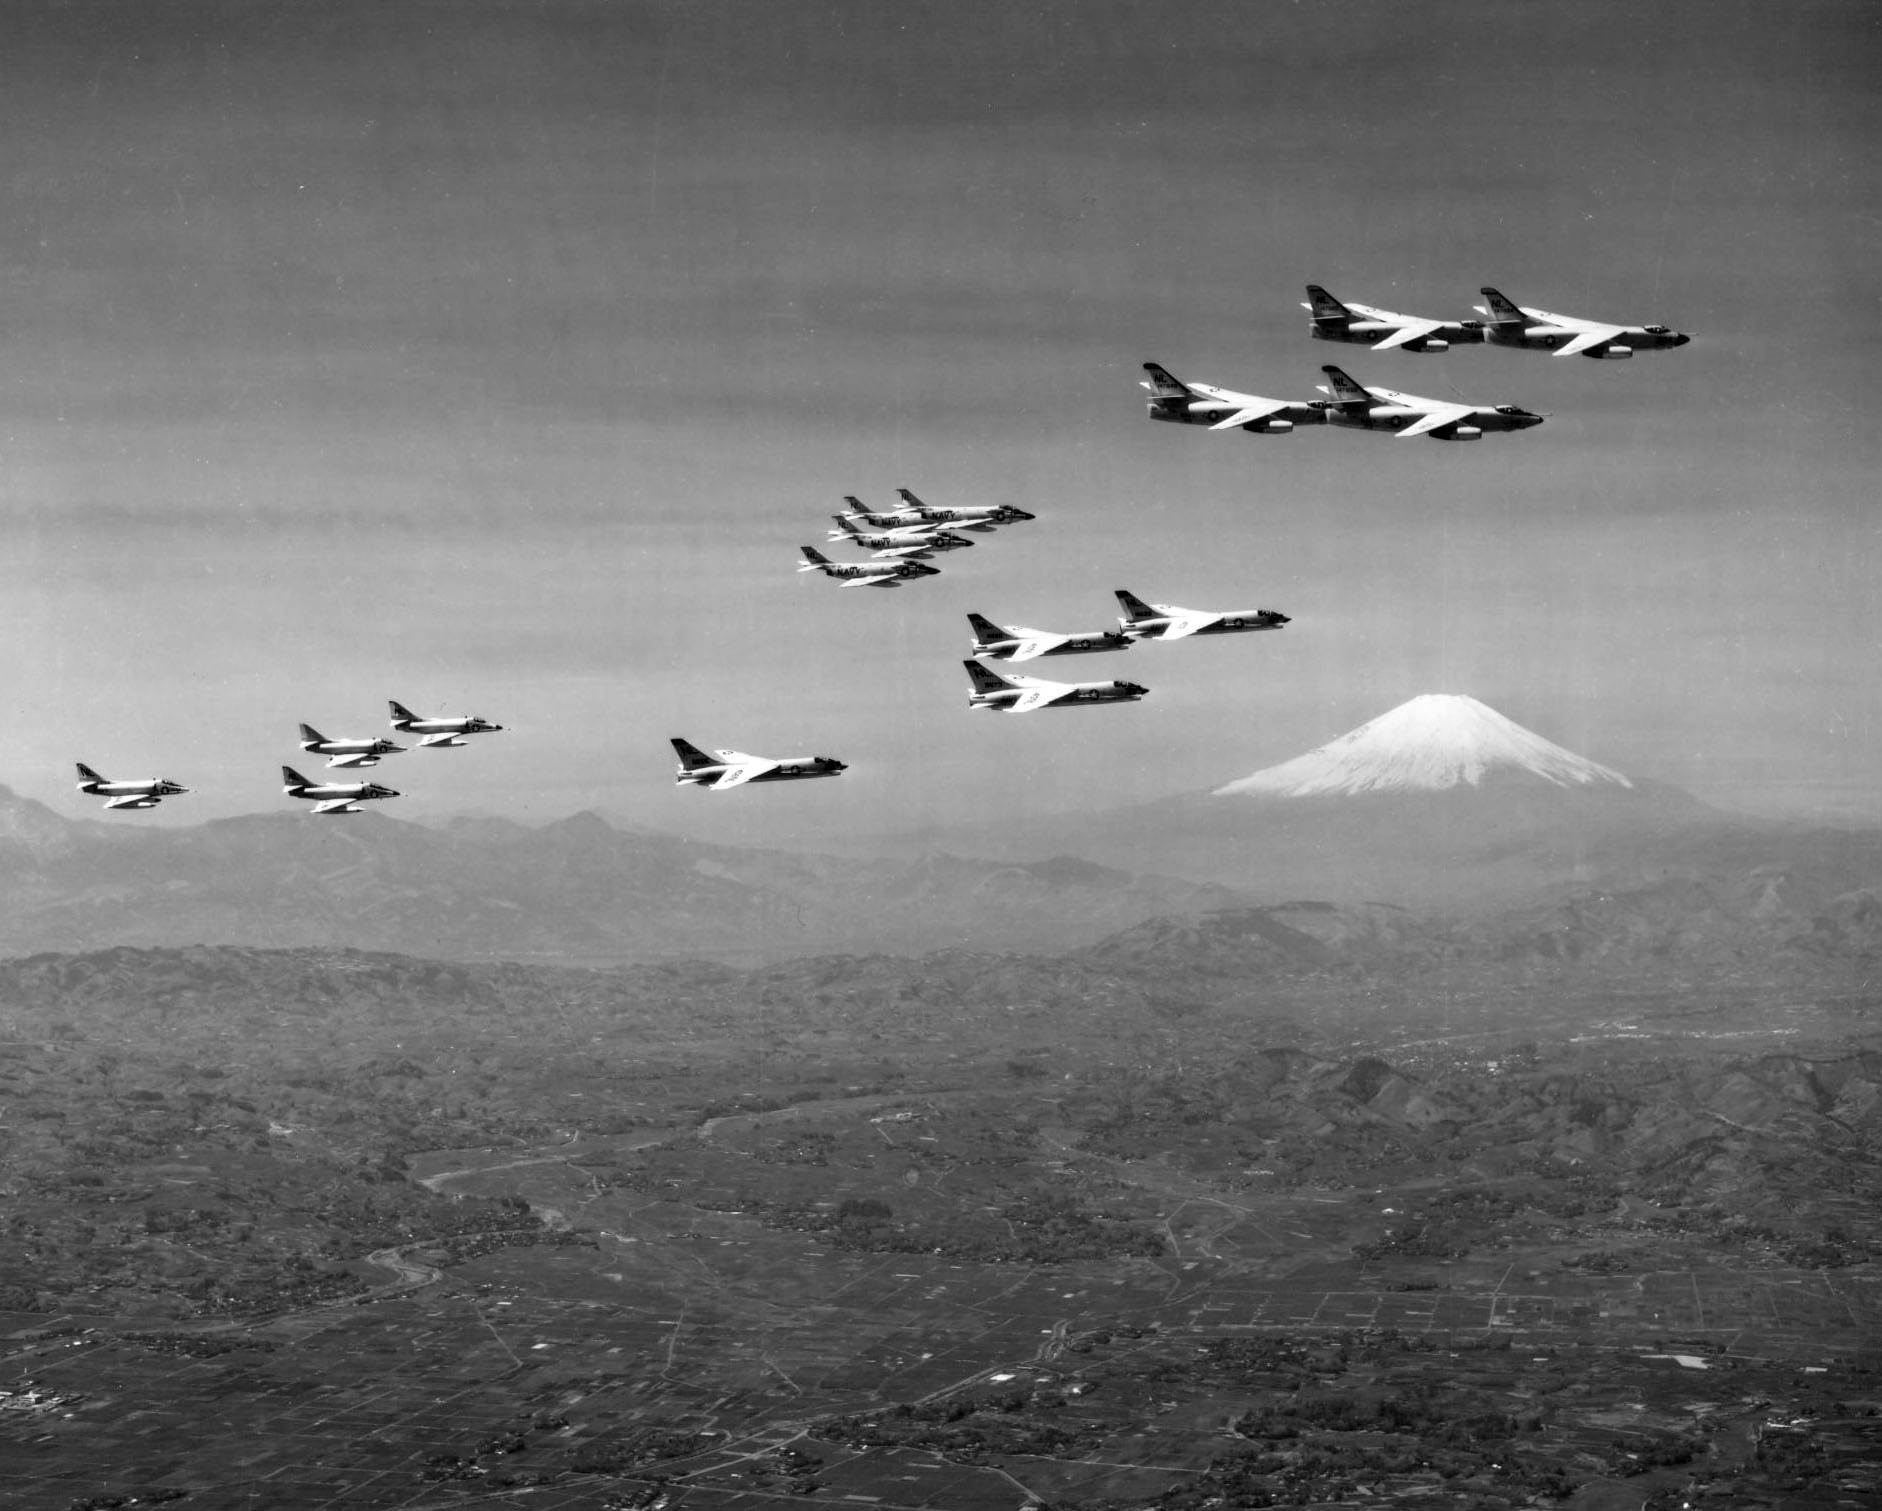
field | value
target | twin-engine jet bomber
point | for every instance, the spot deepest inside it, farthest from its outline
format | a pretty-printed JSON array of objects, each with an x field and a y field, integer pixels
[
  {"x": 346, "y": 752},
  {"x": 1382, "y": 330},
  {"x": 438, "y": 731},
  {"x": 865, "y": 574},
  {"x": 908, "y": 542},
  {"x": 1021, "y": 695},
  {"x": 145, "y": 792},
  {"x": 1018, "y": 643},
  {"x": 733, "y": 768},
  {"x": 1357, "y": 407},
  {"x": 1511, "y": 324},
  {"x": 332, "y": 797},
  {"x": 1222, "y": 408},
  {"x": 1165, "y": 621}
]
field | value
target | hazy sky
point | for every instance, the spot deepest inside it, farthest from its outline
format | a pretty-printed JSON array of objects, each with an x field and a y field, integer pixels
[{"x": 498, "y": 357}]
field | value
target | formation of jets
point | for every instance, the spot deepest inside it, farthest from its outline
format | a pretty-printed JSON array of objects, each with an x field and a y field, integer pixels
[
  {"x": 1506, "y": 323},
  {"x": 327, "y": 797},
  {"x": 1357, "y": 406},
  {"x": 900, "y": 541}
]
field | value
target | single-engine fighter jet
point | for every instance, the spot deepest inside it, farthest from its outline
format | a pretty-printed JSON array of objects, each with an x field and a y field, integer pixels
[
  {"x": 1021, "y": 695},
  {"x": 1165, "y": 621},
  {"x": 866, "y": 574},
  {"x": 1021, "y": 644},
  {"x": 733, "y": 768},
  {"x": 981, "y": 518},
  {"x": 909, "y": 542},
  {"x": 440, "y": 730},
  {"x": 146, "y": 792},
  {"x": 346, "y": 752},
  {"x": 1360, "y": 408},
  {"x": 332, "y": 797},
  {"x": 1511, "y": 324},
  {"x": 1382, "y": 330},
  {"x": 1222, "y": 408}
]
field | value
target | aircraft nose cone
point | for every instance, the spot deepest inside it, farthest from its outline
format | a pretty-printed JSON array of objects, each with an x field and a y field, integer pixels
[{"x": 1681, "y": 340}]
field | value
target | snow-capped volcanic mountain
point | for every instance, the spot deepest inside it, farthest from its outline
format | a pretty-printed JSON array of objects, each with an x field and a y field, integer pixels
[
  {"x": 1441, "y": 800},
  {"x": 1430, "y": 744}
]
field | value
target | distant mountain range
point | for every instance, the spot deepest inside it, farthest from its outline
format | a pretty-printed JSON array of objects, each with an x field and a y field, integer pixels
[
  {"x": 1503, "y": 845},
  {"x": 575, "y": 890},
  {"x": 1442, "y": 802}
]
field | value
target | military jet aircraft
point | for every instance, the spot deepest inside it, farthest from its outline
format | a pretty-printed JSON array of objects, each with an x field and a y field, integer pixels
[
  {"x": 1021, "y": 695},
  {"x": 1511, "y": 324},
  {"x": 146, "y": 792},
  {"x": 332, "y": 797},
  {"x": 733, "y": 768},
  {"x": 439, "y": 730},
  {"x": 1222, "y": 408},
  {"x": 980, "y": 518},
  {"x": 346, "y": 752},
  {"x": 909, "y": 542},
  {"x": 1165, "y": 621},
  {"x": 1382, "y": 330},
  {"x": 1018, "y": 643},
  {"x": 861, "y": 574},
  {"x": 1360, "y": 408}
]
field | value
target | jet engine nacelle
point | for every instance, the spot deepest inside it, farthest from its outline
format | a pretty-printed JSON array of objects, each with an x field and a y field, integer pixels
[
  {"x": 1614, "y": 352},
  {"x": 1465, "y": 433},
  {"x": 1269, "y": 426}
]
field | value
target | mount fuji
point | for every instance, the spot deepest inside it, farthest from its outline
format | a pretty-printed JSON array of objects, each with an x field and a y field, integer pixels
[
  {"x": 1433, "y": 743},
  {"x": 1441, "y": 800}
]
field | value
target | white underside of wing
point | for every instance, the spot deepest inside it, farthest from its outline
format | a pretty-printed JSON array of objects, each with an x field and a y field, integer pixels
[
  {"x": 870, "y": 582},
  {"x": 1034, "y": 646},
  {"x": 336, "y": 805},
  {"x": 1599, "y": 336},
  {"x": 1254, "y": 409},
  {"x": 1450, "y": 414},
  {"x": 1034, "y": 697},
  {"x": 738, "y": 776},
  {"x": 1186, "y": 624},
  {"x": 1412, "y": 332}
]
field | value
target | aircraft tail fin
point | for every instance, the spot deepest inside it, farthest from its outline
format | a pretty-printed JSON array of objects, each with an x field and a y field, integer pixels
[
  {"x": 1344, "y": 388},
  {"x": 1165, "y": 386},
  {"x": 293, "y": 778},
  {"x": 847, "y": 525},
  {"x": 308, "y": 732},
  {"x": 400, "y": 711},
  {"x": 1500, "y": 310},
  {"x": 1134, "y": 607},
  {"x": 813, "y": 558},
  {"x": 86, "y": 774},
  {"x": 1325, "y": 306},
  {"x": 986, "y": 630},
  {"x": 692, "y": 758},
  {"x": 908, "y": 498},
  {"x": 986, "y": 681}
]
